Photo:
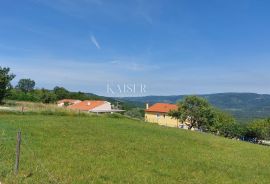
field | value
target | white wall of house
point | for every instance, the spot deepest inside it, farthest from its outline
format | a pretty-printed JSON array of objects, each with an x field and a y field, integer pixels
[{"x": 60, "y": 104}]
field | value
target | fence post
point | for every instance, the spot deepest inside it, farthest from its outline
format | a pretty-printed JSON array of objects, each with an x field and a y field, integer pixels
[
  {"x": 18, "y": 149},
  {"x": 22, "y": 109}
]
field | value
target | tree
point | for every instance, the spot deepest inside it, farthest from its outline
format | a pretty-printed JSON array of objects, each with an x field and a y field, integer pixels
[
  {"x": 5, "y": 85},
  {"x": 233, "y": 130},
  {"x": 47, "y": 96},
  {"x": 196, "y": 110},
  {"x": 26, "y": 85},
  {"x": 220, "y": 121},
  {"x": 61, "y": 93},
  {"x": 200, "y": 114},
  {"x": 259, "y": 129}
]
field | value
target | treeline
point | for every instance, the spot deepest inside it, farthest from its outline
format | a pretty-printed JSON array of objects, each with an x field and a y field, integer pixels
[
  {"x": 47, "y": 96},
  {"x": 25, "y": 90},
  {"x": 201, "y": 115}
]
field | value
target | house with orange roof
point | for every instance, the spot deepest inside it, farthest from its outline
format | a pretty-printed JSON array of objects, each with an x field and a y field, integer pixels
[
  {"x": 96, "y": 106},
  {"x": 61, "y": 103},
  {"x": 158, "y": 113}
]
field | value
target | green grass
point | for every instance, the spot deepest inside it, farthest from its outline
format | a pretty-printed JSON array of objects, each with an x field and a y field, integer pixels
[
  {"x": 31, "y": 108},
  {"x": 72, "y": 149}
]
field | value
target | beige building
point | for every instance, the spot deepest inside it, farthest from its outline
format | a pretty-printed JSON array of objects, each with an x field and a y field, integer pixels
[{"x": 158, "y": 113}]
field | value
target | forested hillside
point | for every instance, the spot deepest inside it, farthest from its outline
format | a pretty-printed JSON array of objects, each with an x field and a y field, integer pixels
[{"x": 244, "y": 106}]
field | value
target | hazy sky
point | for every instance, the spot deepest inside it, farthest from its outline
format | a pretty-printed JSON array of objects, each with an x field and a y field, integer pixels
[{"x": 171, "y": 46}]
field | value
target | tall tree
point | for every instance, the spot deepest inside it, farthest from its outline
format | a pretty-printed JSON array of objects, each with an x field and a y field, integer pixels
[
  {"x": 196, "y": 110},
  {"x": 5, "y": 79},
  {"x": 26, "y": 85}
]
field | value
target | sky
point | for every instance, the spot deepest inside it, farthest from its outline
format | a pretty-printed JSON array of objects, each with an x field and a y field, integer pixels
[{"x": 170, "y": 47}]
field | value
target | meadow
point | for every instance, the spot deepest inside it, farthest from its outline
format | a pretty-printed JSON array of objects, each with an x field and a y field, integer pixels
[{"x": 114, "y": 149}]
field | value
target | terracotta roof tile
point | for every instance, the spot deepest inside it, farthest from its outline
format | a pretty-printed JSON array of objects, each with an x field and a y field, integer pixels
[
  {"x": 86, "y": 105},
  {"x": 161, "y": 107}
]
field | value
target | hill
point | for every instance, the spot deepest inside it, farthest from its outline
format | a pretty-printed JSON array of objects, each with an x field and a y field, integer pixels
[
  {"x": 105, "y": 149},
  {"x": 244, "y": 106}
]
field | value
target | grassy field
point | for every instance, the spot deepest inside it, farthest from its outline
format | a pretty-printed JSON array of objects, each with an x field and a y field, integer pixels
[
  {"x": 37, "y": 108},
  {"x": 73, "y": 149}
]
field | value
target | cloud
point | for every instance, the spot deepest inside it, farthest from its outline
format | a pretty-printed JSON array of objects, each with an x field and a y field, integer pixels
[{"x": 94, "y": 41}]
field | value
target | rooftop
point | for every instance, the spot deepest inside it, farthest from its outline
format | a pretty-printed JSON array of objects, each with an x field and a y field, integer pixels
[
  {"x": 161, "y": 107},
  {"x": 87, "y": 105}
]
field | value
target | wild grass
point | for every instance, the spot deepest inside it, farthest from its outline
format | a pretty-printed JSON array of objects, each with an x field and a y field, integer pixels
[
  {"x": 20, "y": 107},
  {"x": 76, "y": 149}
]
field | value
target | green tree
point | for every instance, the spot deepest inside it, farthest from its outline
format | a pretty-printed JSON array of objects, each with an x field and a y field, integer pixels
[
  {"x": 26, "y": 85},
  {"x": 233, "y": 130},
  {"x": 194, "y": 109},
  {"x": 5, "y": 78},
  {"x": 200, "y": 114},
  {"x": 61, "y": 93},
  {"x": 219, "y": 121},
  {"x": 259, "y": 129},
  {"x": 47, "y": 96}
]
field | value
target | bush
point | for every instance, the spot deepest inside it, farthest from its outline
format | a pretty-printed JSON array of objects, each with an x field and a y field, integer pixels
[
  {"x": 259, "y": 129},
  {"x": 135, "y": 113},
  {"x": 114, "y": 115}
]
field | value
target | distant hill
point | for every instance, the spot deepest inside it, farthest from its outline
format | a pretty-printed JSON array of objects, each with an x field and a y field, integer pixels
[
  {"x": 244, "y": 106},
  {"x": 121, "y": 103}
]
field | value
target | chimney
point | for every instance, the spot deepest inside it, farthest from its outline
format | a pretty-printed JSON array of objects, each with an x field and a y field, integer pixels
[{"x": 147, "y": 106}]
